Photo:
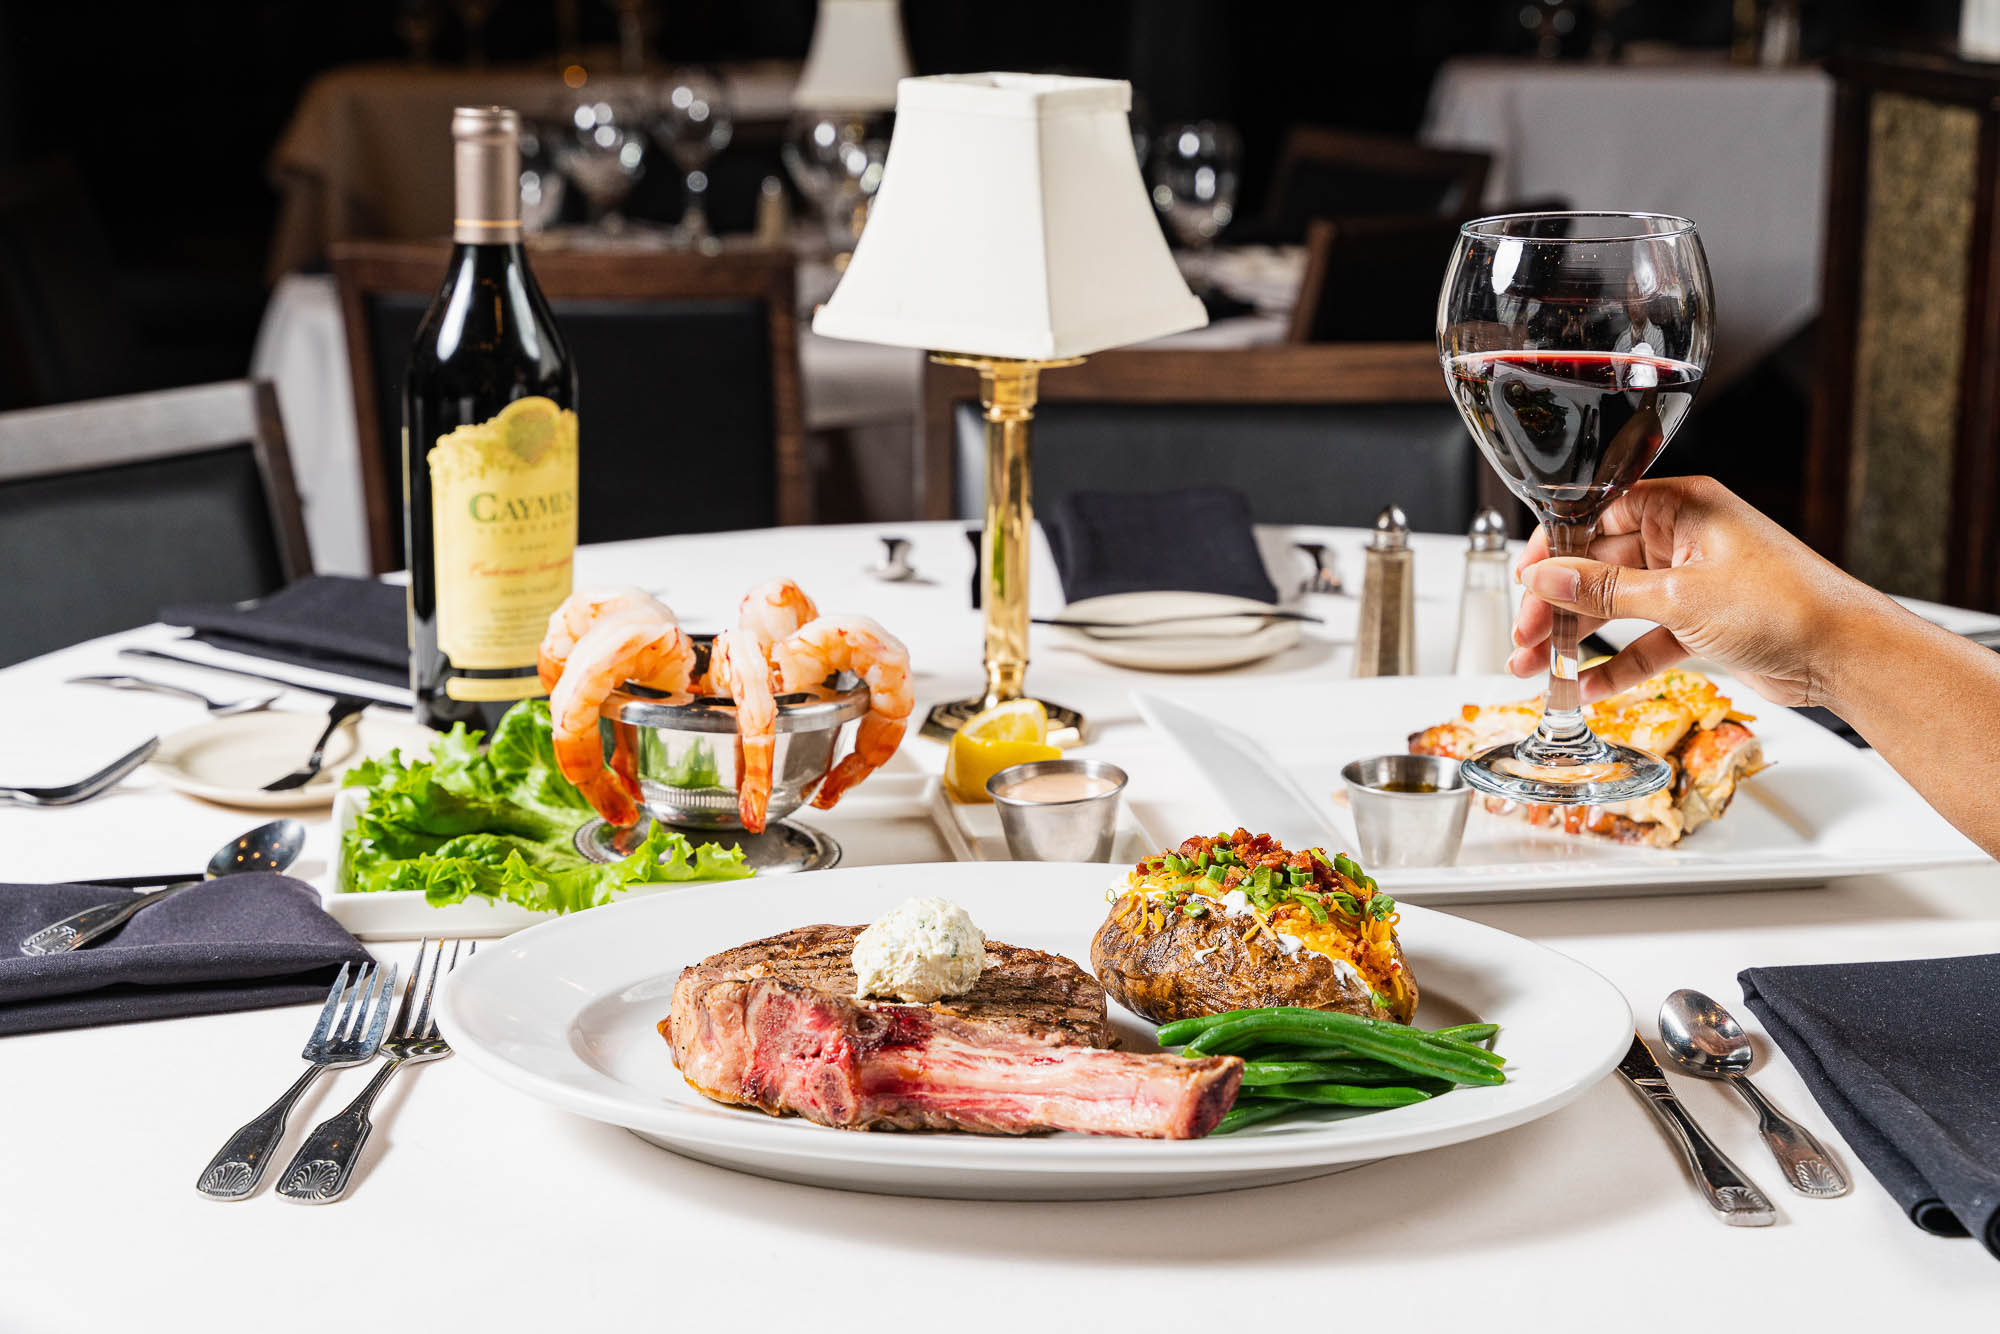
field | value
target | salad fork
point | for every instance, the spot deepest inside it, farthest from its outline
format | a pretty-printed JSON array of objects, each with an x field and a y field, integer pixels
[
  {"x": 349, "y": 1039},
  {"x": 320, "y": 1170}
]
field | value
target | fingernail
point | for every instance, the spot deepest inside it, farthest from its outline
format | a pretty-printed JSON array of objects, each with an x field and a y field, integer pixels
[{"x": 1556, "y": 583}]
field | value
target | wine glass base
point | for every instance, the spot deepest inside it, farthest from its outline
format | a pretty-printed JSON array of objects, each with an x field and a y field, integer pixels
[{"x": 1611, "y": 773}]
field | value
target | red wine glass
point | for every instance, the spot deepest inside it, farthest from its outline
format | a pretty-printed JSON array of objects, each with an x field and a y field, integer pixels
[{"x": 1573, "y": 344}]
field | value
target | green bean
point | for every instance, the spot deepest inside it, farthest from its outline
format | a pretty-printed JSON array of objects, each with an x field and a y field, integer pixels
[
  {"x": 1468, "y": 1032},
  {"x": 1250, "y": 1111},
  {"x": 1289, "y": 1053},
  {"x": 1350, "y": 1095},
  {"x": 1258, "y": 1073},
  {"x": 1182, "y": 1030},
  {"x": 1465, "y": 1048},
  {"x": 1400, "y": 1046}
]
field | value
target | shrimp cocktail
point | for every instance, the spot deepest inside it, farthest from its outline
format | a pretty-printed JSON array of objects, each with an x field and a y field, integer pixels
[
  {"x": 609, "y": 652},
  {"x": 1573, "y": 344}
]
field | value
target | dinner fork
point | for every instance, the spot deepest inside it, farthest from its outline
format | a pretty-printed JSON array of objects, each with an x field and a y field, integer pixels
[
  {"x": 319, "y": 1171},
  {"x": 344, "y": 707},
  {"x": 83, "y": 789},
  {"x": 217, "y": 708},
  {"x": 348, "y": 1032}
]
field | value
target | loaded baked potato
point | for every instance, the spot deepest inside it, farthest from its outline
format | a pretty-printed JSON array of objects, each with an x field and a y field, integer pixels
[{"x": 1235, "y": 922}]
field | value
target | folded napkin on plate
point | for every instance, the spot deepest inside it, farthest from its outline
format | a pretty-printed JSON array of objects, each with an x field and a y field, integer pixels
[
  {"x": 1195, "y": 540},
  {"x": 1902, "y": 1058},
  {"x": 243, "y": 942},
  {"x": 335, "y": 623}
]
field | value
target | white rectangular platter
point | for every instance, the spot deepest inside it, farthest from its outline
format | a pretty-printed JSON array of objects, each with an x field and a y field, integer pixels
[{"x": 1822, "y": 810}]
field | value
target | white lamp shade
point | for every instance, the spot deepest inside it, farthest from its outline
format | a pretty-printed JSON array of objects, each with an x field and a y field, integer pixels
[
  {"x": 1011, "y": 222},
  {"x": 856, "y": 58}
]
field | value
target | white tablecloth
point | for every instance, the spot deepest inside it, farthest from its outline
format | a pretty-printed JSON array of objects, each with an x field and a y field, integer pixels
[
  {"x": 478, "y": 1208},
  {"x": 1742, "y": 151}
]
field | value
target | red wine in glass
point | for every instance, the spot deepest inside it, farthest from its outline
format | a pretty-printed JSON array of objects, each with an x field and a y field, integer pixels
[
  {"x": 1568, "y": 431},
  {"x": 1573, "y": 344}
]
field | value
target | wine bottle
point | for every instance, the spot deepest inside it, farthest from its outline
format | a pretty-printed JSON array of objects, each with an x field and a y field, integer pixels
[{"x": 489, "y": 449}]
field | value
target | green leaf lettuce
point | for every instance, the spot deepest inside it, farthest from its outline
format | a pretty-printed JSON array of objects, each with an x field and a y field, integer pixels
[{"x": 500, "y": 823}]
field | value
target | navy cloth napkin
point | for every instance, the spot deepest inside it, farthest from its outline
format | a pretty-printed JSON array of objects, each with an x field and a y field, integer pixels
[
  {"x": 332, "y": 622},
  {"x": 1196, "y": 540},
  {"x": 1902, "y": 1058},
  {"x": 243, "y": 942}
]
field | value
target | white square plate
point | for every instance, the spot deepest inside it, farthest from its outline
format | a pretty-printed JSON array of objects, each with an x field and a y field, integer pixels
[{"x": 1822, "y": 810}]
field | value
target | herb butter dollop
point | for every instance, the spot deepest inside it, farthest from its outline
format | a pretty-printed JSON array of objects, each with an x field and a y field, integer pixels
[{"x": 921, "y": 951}]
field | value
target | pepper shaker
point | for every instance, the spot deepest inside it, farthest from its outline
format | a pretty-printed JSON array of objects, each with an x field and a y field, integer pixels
[
  {"x": 1485, "y": 602},
  {"x": 1387, "y": 642}
]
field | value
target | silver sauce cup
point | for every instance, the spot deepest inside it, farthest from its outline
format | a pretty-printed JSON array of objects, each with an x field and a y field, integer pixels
[
  {"x": 1081, "y": 830},
  {"x": 1407, "y": 828}
]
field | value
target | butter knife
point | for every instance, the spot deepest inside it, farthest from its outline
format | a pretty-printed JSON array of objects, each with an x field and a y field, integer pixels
[{"x": 1720, "y": 1182}]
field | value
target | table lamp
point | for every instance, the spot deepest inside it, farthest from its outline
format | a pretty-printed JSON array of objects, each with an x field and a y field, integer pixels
[
  {"x": 841, "y": 109},
  {"x": 1011, "y": 234},
  {"x": 857, "y": 57}
]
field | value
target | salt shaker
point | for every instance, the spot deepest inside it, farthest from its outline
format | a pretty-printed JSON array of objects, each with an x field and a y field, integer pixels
[
  {"x": 1485, "y": 601},
  {"x": 1387, "y": 642},
  {"x": 774, "y": 213}
]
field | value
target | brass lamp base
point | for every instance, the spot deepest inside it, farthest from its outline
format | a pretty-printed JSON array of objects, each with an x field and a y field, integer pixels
[
  {"x": 1065, "y": 724},
  {"x": 1008, "y": 388}
]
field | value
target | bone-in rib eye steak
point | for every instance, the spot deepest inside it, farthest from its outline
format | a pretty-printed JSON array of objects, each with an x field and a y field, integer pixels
[{"x": 775, "y": 1025}]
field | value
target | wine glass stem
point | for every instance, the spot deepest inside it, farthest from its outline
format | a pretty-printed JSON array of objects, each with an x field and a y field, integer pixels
[{"x": 1562, "y": 723}]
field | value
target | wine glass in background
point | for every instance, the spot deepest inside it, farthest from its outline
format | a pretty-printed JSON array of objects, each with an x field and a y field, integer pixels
[
  {"x": 1573, "y": 344},
  {"x": 602, "y": 149},
  {"x": 858, "y": 176},
  {"x": 542, "y": 184},
  {"x": 693, "y": 124},
  {"x": 819, "y": 155},
  {"x": 1194, "y": 174},
  {"x": 1139, "y": 120}
]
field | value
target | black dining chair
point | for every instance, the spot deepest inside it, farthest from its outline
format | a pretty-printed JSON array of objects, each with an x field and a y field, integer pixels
[
  {"x": 1328, "y": 173},
  {"x": 111, "y": 509},
  {"x": 1376, "y": 279},
  {"x": 688, "y": 379},
  {"x": 1314, "y": 434}
]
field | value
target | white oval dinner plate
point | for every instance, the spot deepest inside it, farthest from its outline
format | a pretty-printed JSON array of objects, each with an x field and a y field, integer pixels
[
  {"x": 568, "y": 1012},
  {"x": 1189, "y": 646},
  {"x": 228, "y": 760}
]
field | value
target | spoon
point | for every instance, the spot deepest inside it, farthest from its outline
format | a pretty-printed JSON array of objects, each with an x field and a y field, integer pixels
[
  {"x": 1705, "y": 1039},
  {"x": 268, "y": 847}
]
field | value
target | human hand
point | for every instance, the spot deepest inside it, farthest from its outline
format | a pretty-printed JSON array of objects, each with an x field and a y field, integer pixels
[{"x": 1722, "y": 581}]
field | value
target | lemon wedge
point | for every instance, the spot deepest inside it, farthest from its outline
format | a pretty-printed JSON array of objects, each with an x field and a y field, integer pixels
[{"x": 1015, "y": 732}]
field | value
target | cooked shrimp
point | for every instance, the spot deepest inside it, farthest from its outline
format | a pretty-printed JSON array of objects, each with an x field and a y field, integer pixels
[
  {"x": 582, "y": 610},
  {"x": 775, "y": 610},
  {"x": 856, "y": 644},
  {"x": 635, "y": 647},
  {"x": 738, "y": 667},
  {"x": 770, "y": 612}
]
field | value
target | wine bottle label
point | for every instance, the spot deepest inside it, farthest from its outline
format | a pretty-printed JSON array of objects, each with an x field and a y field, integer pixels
[{"x": 503, "y": 510}]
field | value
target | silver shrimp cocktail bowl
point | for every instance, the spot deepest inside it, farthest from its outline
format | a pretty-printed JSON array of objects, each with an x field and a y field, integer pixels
[{"x": 688, "y": 755}]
